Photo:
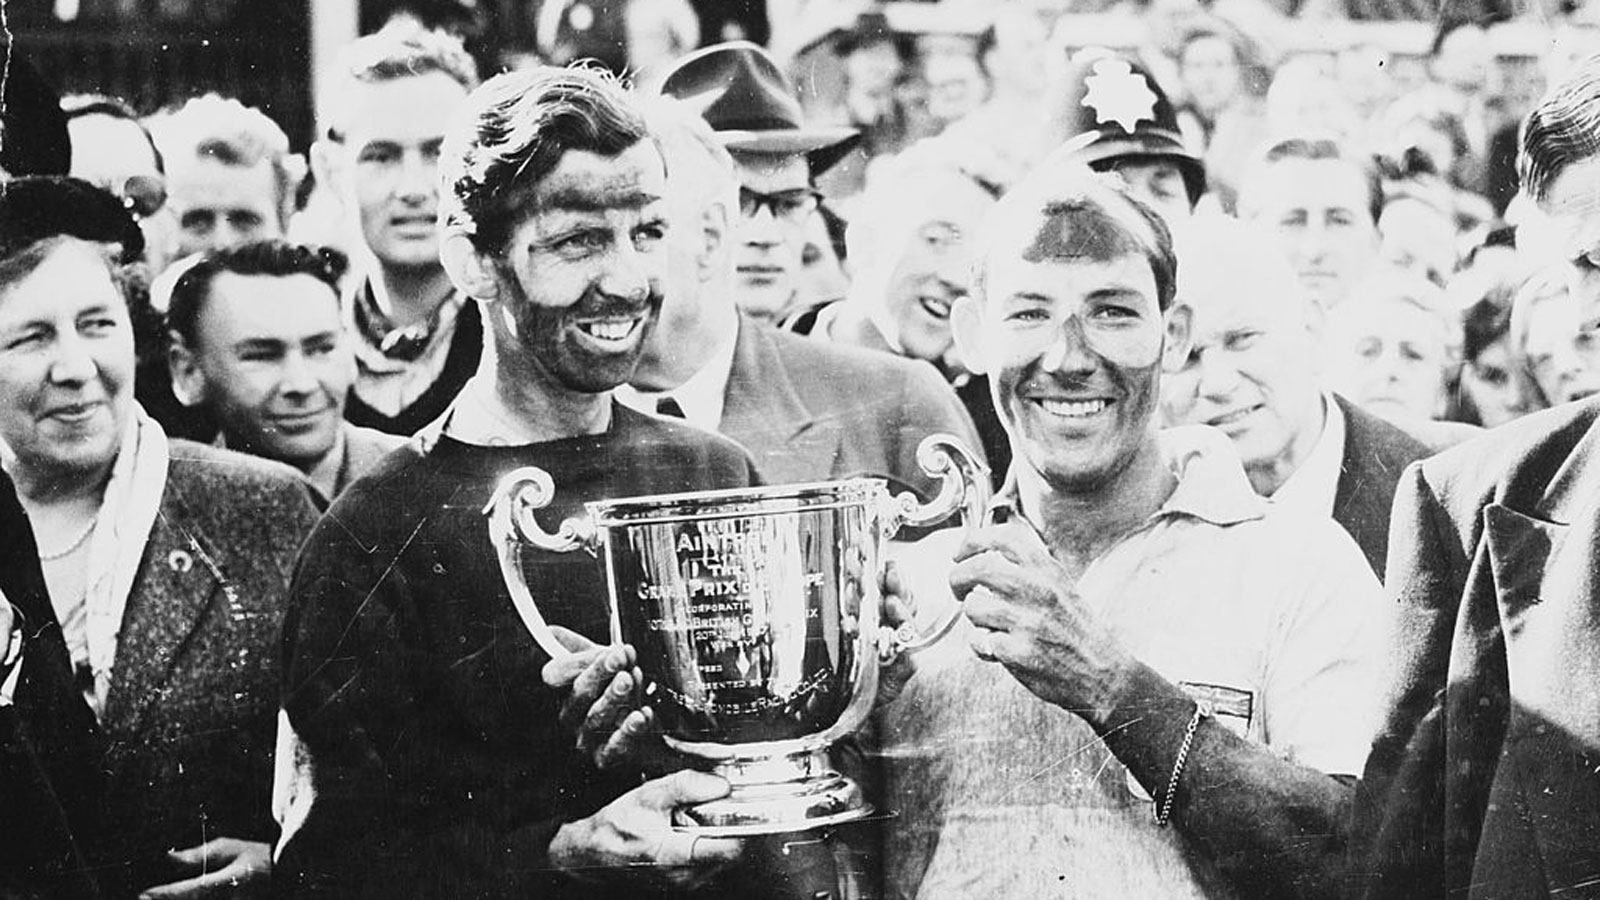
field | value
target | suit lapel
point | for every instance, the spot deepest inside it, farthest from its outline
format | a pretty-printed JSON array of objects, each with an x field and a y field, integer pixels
[
  {"x": 763, "y": 410},
  {"x": 1545, "y": 564},
  {"x": 170, "y": 596}
]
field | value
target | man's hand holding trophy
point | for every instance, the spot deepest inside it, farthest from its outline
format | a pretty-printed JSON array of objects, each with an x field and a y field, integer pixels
[{"x": 751, "y": 629}]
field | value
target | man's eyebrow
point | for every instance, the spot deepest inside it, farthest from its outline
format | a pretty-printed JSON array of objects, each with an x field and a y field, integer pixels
[
  {"x": 574, "y": 200},
  {"x": 1113, "y": 291},
  {"x": 259, "y": 344}
]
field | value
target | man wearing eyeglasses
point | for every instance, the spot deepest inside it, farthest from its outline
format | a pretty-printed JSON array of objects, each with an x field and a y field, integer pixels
[
  {"x": 417, "y": 338},
  {"x": 753, "y": 108}
]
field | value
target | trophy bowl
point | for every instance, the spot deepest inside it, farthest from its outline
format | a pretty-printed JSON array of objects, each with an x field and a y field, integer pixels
[{"x": 756, "y": 615}]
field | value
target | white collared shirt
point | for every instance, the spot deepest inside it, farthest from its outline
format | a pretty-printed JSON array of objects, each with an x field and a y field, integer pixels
[
  {"x": 701, "y": 396},
  {"x": 1313, "y": 486}
]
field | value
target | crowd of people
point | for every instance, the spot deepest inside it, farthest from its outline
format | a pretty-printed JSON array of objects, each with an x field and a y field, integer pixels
[{"x": 1285, "y": 589}]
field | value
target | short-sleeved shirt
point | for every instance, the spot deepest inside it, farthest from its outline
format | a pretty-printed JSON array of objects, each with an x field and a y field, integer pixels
[{"x": 1271, "y": 615}]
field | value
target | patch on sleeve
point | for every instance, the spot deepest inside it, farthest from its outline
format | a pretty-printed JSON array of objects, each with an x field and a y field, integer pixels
[{"x": 1232, "y": 706}]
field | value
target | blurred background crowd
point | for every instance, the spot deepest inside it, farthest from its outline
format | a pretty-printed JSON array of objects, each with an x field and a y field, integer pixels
[{"x": 1427, "y": 95}]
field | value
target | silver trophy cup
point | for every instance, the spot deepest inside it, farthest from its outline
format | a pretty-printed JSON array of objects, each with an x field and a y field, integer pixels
[{"x": 756, "y": 614}]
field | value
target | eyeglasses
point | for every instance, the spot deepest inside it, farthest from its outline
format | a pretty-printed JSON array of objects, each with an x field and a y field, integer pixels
[
  {"x": 143, "y": 195},
  {"x": 789, "y": 206}
]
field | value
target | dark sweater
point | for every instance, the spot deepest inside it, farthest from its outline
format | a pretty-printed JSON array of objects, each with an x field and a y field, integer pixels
[{"x": 438, "y": 765}]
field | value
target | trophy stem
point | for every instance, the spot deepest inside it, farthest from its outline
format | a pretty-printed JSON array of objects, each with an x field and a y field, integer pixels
[{"x": 773, "y": 795}]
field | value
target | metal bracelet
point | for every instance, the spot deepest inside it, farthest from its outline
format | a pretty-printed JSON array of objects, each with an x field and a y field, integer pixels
[{"x": 1163, "y": 812}]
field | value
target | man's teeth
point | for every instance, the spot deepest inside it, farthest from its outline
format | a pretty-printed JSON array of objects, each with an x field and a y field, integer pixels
[
  {"x": 1074, "y": 408},
  {"x": 610, "y": 331}
]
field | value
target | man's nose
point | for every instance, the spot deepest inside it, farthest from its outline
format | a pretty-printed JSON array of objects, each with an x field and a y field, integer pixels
[
  {"x": 762, "y": 228},
  {"x": 1069, "y": 351},
  {"x": 297, "y": 377},
  {"x": 628, "y": 273},
  {"x": 1218, "y": 376},
  {"x": 416, "y": 178}
]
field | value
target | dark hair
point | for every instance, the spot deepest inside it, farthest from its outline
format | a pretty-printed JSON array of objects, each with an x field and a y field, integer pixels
[
  {"x": 1082, "y": 215},
  {"x": 1486, "y": 321},
  {"x": 78, "y": 106},
  {"x": 522, "y": 123},
  {"x": 277, "y": 258},
  {"x": 1327, "y": 148},
  {"x": 1562, "y": 129}
]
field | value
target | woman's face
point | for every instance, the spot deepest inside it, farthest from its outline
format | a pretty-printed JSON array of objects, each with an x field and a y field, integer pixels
[
  {"x": 66, "y": 365},
  {"x": 1389, "y": 357}
]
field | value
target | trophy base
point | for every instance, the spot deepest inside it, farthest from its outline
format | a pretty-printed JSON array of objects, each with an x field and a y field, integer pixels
[{"x": 813, "y": 796}]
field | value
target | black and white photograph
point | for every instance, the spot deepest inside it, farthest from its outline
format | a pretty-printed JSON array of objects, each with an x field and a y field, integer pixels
[{"x": 799, "y": 449}]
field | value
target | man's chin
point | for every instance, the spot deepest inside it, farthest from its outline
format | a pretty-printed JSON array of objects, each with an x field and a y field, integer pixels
[{"x": 768, "y": 299}]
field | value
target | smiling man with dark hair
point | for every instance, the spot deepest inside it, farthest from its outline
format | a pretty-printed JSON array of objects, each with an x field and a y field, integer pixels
[
  {"x": 1182, "y": 664},
  {"x": 423, "y": 754}
]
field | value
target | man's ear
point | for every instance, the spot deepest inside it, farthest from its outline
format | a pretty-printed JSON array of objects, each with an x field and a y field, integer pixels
[
  {"x": 714, "y": 227},
  {"x": 472, "y": 272},
  {"x": 966, "y": 327},
  {"x": 327, "y": 165},
  {"x": 188, "y": 382},
  {"x": 1180, "y": 335}
]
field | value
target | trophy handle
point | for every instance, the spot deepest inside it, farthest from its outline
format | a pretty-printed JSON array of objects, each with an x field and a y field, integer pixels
[
  {"x": 964, "y": 488},
  {"x": 511, "y": 524}
]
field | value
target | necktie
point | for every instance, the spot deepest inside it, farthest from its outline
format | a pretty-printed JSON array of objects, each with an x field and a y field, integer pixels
[{"x": 669, "y": 407}]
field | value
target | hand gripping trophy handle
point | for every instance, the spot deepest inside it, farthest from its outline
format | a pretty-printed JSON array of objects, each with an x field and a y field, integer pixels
[
  {"x": 964, "y": 487},
  {"x": 511, "y": 523}
]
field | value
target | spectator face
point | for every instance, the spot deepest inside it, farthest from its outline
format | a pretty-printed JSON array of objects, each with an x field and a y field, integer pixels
[
  {"x": 1251, "y": 373},
  {"x": 1210, "y": 71},
  {"x": 1074, "y": 349},
  {"x": 1466, "y": 59},
  {"x": 580, "y": 284},
  {"x": 870, "y": 72},
  {"x": 389, "y": 161},
  {"x": 931, "y": 259},
  {"x": 1562, "y": 358},
  {"x": 1490, "y": 386},
  {"x": 1389, "y": 357},
  {"x": 219, "y": 205},
  {"x": 956, "y": 85},
  {"x": 113, "y": 153},
  {"x": 1418, "y": 238},
  {"x": 66, "y": 364},
  {"x": 1159, "y": 185},
  {"x": 1318, "y": 211},
  {"x": 1019, "y": 63},
  {"x": 775, "y": 201},
  {"x": 271, "y": 360},
  {"x": 1572, "y": 204},
  {"x": 107, "y": 151}
]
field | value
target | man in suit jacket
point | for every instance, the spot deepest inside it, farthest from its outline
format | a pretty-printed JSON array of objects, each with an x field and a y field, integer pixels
[
  {"x": 806, "y": 411},
  {"x": 1484, "y": 779},
  {"x": 1253, "y": 373},
  {"x": 256, "y": 339}
]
